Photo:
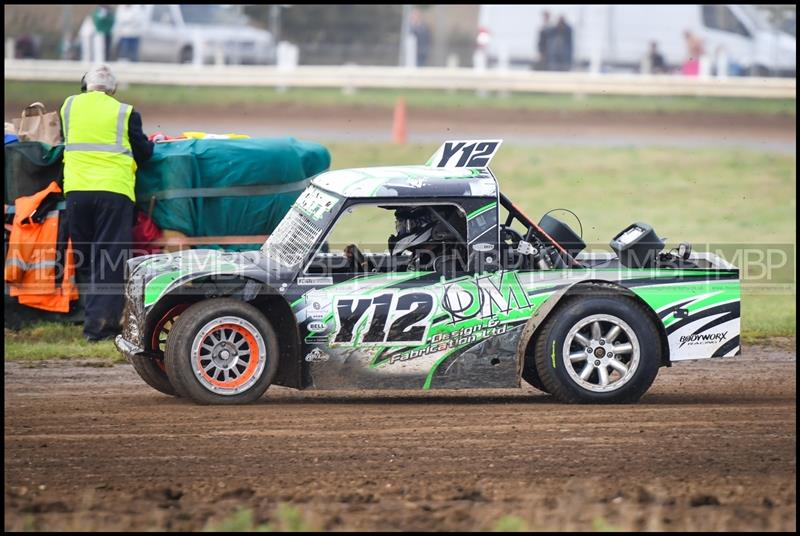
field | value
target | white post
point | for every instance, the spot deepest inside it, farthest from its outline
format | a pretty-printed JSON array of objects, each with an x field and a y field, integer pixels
[
  {"x": 10, "y": 52},
  {"x": 348, "y": 88},
  {"x": 99, "y": 47},
  {"x": 452, "y": 63},
  {"x": 722, "y": 64},
  {"x": 479, "y": 60},
  {"x": 287, "y": 58},
  {"x": 411, "y": 51},
  {"x": 596, "y": 60},
  {"x": 645, "y": 66},
  {"x": 503, "y": 63},
  {"x": 479, "y": 63},
  {"x": 198, "y": 52},
  {"x": 704, "y": 69},
  {"x": 503, "y": 56},
  {"x": 86, "y": 31}
]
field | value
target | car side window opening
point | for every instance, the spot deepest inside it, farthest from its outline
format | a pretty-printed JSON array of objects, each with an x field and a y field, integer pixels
[
  {"x": 394, "y": 238},
  {"x": 720, "y": 17},
  {"x": 162, "y": 14}
]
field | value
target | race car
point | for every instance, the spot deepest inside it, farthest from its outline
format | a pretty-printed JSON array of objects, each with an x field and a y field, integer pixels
[{"x": 465, "y": 292}]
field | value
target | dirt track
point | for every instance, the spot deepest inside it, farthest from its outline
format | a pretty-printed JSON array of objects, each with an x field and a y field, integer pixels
[
  {"x": 711, "y": 447},
  {"x": 519, "y": 127},
  {"x": 357, "y": 123}
]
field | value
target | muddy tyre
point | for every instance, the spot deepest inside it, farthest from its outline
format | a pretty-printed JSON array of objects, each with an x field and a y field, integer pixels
[
  {"x": 151, "y": 371},
  {"x": 221, "y": 351},
  {"x": 598, "y": 347},
  {"x": 531, "y": 375}
]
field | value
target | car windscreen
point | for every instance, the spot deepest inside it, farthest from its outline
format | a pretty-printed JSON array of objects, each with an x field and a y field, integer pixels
[
  {"x": 292, "y": 240},
  {"x": 212, "y": 14}
]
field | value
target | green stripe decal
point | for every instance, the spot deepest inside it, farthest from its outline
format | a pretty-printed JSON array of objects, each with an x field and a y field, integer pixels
[
  {"x": 662, "y": 296},
  {"x": 435, "y": 366},
  {"x": 157, "y": 285},
  {"x": 481, "y": 210}
]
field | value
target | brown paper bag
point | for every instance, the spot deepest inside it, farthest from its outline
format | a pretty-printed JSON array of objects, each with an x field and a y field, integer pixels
[{"x": 36, "y": 124}]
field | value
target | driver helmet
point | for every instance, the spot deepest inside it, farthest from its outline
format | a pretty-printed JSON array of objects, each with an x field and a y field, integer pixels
[{"x": 413, "y": 227}]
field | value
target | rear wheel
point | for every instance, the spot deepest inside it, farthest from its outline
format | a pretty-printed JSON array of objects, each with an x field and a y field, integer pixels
[
  {"x": 598, "y": 347},
  {"x": 530, "y": 375},
  {"x": 222, "y": 351}
]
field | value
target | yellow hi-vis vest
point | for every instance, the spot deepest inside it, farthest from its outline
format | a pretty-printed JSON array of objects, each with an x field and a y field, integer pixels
[{"x": 97, "y": 151}]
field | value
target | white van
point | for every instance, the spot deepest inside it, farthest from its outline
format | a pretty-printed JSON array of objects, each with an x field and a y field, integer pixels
[
  {"x": 619, "y": 36},
  {"x": 177, "y": 33}
]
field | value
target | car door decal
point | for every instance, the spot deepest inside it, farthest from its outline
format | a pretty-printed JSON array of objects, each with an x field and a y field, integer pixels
[{"x": 393, "y": 318}]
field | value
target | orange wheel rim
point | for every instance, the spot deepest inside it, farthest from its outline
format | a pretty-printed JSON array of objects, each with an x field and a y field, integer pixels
[{"x": 228, "y": 355}]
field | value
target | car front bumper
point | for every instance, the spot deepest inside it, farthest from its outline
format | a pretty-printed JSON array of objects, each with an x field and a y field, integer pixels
[{"x": 128, "y": 349}]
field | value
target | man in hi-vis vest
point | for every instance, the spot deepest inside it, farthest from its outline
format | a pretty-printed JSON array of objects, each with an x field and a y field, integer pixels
[{"x": 103, "y": 142}]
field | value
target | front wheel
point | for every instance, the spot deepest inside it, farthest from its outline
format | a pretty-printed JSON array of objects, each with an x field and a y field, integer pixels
[
  {"x": 222, "y": 351},
  {"x": 153, "y": 370},
  {"x": 598, "y": 347}
]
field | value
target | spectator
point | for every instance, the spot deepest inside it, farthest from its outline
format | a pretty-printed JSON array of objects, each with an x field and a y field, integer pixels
[
  {"x": 656, "y": 60},
  {"x": 103, "y": 18},
  {"x": 419, "y": 29},
  {"x": 545, "y": 37},
  {"x": 560, "y": 46},
  {"x": 26, "y": 46},
  {"x": 694, "y": 48},
  {"x": 129, "y": 27}
]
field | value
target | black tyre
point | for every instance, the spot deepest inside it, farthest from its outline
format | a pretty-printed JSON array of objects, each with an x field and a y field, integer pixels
[
  {"x": 187, "y": 55},
  {"x": 598, "y": 347},
  {"x": 531, "y": 375},
  {"x": 152, "y": 371},
  {"x": 222, "y": 351}
]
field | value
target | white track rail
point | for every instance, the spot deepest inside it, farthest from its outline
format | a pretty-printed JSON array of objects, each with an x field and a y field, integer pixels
[{"x": 360, "y": 77}]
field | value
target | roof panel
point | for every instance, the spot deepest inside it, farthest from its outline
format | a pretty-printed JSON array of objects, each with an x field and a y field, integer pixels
[{"x": 409, "y": 181}]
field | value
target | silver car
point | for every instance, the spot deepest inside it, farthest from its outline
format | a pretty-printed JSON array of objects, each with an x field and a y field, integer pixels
[{"x": 187, "y": 33}]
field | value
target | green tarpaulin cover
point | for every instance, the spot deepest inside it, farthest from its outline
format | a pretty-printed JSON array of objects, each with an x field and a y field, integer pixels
[
  {"x": 227, "y": 187},
  {"x": 203, "y": 187}
]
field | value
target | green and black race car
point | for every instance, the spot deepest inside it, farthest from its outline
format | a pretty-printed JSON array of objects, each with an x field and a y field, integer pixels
[{"x": 466, "y": 291}]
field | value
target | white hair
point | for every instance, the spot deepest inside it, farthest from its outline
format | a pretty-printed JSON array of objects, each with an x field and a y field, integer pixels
[{"x": 101, "y": 78}]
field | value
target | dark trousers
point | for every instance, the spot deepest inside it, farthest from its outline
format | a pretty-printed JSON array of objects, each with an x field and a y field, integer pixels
[{"x": 101, "y": 228}]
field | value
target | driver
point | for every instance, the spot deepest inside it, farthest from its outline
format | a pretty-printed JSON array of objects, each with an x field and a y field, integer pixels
[{"x": 424, "y": 235}]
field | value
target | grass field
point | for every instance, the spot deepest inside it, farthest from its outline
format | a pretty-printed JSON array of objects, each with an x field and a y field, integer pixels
[
  {"x": 20, "y": 93},
  {"x": 718, "y": 199},
  {"x": 48, "y": 340}
]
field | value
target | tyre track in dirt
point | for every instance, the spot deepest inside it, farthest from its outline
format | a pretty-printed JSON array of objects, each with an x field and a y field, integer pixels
[
  {"x": 710, "y": 447},
  {"x": 683, "y": 130}
]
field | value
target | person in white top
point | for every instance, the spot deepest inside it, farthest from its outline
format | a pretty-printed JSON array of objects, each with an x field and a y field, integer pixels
[{"x": 128, "y": 29}]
